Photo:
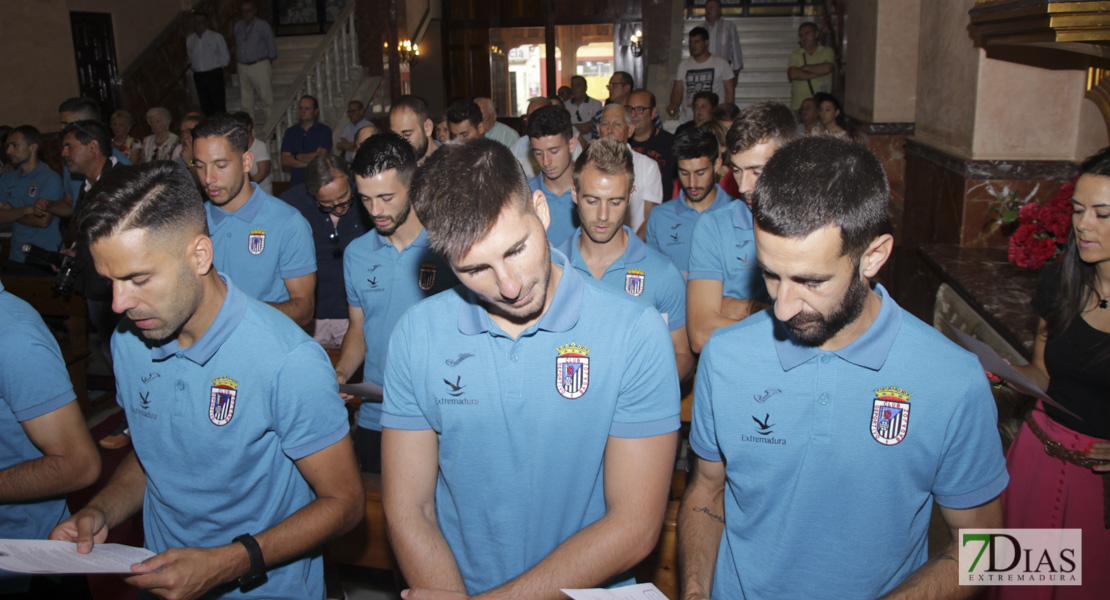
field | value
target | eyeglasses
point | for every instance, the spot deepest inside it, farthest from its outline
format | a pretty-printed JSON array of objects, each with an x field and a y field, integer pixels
[
  {"x": 71, "y": 126},
  {"x": 639, "y": 109},
  {"x": 613, "y": 85},
  {"x": 339, "y": 207}
]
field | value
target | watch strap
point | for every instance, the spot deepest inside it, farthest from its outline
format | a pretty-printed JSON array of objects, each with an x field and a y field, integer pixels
[{"x": 257, "y": 573}]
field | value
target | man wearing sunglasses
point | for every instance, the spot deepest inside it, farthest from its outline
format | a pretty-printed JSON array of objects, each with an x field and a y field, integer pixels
[
  {"x": 327, "y": 200},
  {"x": 263, "y": 244},
  {"x": 386, "y": 272}
]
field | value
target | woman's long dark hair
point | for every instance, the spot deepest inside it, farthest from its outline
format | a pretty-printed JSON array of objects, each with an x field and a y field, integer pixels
[{"x": 1075, "y": 279}]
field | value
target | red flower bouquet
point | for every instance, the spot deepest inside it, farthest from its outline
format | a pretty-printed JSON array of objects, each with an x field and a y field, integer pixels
[{"x": 1042, "y": 230}]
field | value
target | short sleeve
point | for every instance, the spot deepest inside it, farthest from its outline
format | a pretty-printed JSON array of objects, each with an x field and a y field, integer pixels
[
  {"x": 672, "y": 297},
  {"x": 349, "y": 261},
  {"x": 651, "y": 237},
  {"x": 298, "y": 253},
  {"x": 652, "y": 186},
  {"x": 705, "y": 250},
  {"x": 400, "y": 406},
  {"x": 287, "y": 141},
  {"x": 261, "y": 151},
  {"x": 703, "y": 434},
  {"x": 33, "y": 377},
  {"x": 51, "y": 186},
  {"x": 648, "y": 400},
  {"x": 972, "y": 468},
  {"x": 308, "y": 413}
]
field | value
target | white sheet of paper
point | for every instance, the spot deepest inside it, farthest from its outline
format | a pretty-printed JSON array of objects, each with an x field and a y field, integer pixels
[
  {"x": 642, "y": 591},
  {"x": 994, "y": 363},
  {"x": 367, "y": 390},
  {"x": 49, "y": 556}
]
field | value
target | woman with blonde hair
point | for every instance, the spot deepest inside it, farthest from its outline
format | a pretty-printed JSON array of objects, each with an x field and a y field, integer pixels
[{"x": 121, "y": 124}]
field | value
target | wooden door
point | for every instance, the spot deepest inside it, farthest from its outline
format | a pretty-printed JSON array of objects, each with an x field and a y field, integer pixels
[{"x": 94, "y": 48}]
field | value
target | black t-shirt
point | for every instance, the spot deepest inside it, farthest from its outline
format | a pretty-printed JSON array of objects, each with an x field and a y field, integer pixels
[
  {"x": 1078, "y": 363},
  {"x": 660, "y": 148}
]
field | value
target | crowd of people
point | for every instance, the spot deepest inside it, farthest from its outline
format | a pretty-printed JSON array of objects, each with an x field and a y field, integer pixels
[{"x": 451, "y": 266}]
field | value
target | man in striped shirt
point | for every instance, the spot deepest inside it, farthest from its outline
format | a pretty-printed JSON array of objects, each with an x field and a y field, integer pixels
[{"x": 724, "y": 40}]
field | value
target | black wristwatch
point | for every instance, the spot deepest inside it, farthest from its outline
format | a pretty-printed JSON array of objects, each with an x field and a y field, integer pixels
[{"x": 257, "y": 573}]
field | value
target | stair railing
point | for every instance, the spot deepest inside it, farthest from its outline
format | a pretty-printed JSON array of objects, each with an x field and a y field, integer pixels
[{"x": 330, "y": 67}]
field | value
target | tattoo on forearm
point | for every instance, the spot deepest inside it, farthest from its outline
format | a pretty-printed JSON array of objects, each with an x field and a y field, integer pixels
[{"x": 705, "y": 509}]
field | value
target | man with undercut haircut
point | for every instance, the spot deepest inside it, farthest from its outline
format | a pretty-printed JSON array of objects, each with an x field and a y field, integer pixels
[
  {"x": 553, "y": 146},
  {"x": 607, "y": 250},
  {"x": 242, "y": 466},
  {"x": 264, "y": 244},
  {"x": 464, "y": 121},
  {"x": 408, "y": 118},
  {"x": 671, "y": 225},
  {"x": 725, "y": 284},
  {"x": 845, "y": 409},
  {"x": 385, "y": 272},
  {"x": 530, "y": 415},
  {"x": 328, "y": 201}
]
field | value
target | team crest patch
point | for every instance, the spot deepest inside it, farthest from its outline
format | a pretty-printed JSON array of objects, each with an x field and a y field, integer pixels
[
  {"x": 890, "y": 417},
  {"x": 222, "y": 404},
  {"x": 572, "y": 371},
  {"x": 256, "y": 243},
  {"x": 33, "y": 190},
  {"x": 427, "y": 276},
  {"x": 634, "y": 282}
]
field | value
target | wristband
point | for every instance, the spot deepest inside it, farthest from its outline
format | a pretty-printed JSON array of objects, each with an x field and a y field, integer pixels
[{"x": 257, "y": 573}]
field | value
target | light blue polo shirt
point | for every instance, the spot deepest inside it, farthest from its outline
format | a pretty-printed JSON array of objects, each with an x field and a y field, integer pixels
[
  {"x": 643, "y": 273},
  {"x": 833, "y": 459},
  {"x": 523, "y": 424},
  {"x": 21, "y": 190},
  {"x": 261, "y": 245},
  {"x": 385, "y": 283},
  {"x": 723, "y": 249},
  {"x": 33, "y": 382},
  {"x": 670, "y": 227},
  {"x": 217, "y": 427},
  {"x": 564, "y": 216}
]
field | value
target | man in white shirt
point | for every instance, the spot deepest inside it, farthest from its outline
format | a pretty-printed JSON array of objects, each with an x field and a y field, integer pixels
[
  {"x": 724, "y": 39},
  {"x": 582, "y": 108},
  {"x": 355, "y": 111},
  {"x": 495, "y": 130},
  {"x": 616, "y": 123},
  {"x": 702, "y": 72},
  {"x": 208, "y": 56}
]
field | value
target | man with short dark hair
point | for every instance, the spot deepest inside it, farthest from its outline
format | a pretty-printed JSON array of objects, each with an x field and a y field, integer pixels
[
  {"x": 408, "y": 118},
  {"x": 701, "y": 72},
  {"x": 70, "y": 111},
  {"x": 725, "y": 284},
  {"x": 671, "y": 225},
  {"x": 620, "y": 87},
  {"x": 811, "y": 66},
  {"x": 464, "y": 121},
  {"x": 328, "y": 201},
  {"x": 236, "y": 425},
  {"x": 302, "y": 142},
  {"x": 264, "y": 244},
  {"x": 607, "y": 250},
  {"x": 21, "y": 188},
  {"x": 582, "y": 108},
  {"x": 207, "y": 52},
  {"x": 650, "y": 139},
  {"x": 460, "y": 448},
  {"x": 355, "y": 121},
  {"x": 495, "y": 130},
  {"x": 704, "y": 104},
  {"x": 255, "y": 51},
  {"x": 553, "y": 146},
  {"x": 385, "y": 272},
  {"x": 839, "y": 388}
]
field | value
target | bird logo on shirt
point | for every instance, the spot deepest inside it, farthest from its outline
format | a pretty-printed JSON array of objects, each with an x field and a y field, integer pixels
[{"x": 456, "y": 388}]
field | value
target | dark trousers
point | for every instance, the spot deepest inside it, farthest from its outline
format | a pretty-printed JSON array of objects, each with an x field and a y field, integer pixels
[
  {"x": 368, "y": 450},
  {"x": 210, "y": 88}
]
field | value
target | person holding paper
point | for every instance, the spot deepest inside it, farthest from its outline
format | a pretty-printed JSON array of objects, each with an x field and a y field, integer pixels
[
  {"x": 822, "y": 431},
  {"x": 45, "y": 448},
  {"x": 1066, "y": 484},
  {"x": 531, "y": 414},
  {"x": 242, "y": 465},
  {"x": 385, "y": 272}
]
